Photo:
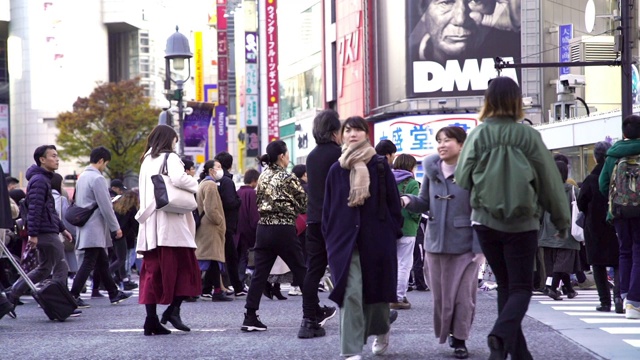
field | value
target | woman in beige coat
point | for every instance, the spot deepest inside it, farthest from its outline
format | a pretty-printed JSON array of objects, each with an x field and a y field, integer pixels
[{"x": 210, "y": 233}]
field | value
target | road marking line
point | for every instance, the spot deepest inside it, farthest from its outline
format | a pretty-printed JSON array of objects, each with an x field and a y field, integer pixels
[
  {"x": 608, "y": 321},
  {"x": 574, "y": 308},
  {"x": 634, "y": 343},
  {"x": 593, "y": 313},
  {"x": 622, "y": 330},
  {"x": 140, "y": 330},
  {"x": 571, "y": 302}
]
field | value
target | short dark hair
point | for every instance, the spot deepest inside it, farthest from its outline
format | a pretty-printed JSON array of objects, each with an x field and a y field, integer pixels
[
  {"x": 225, "y": 159},
  {"x": 188, "y": 164},
  {"x": 299, "y": 170},
  {"x": 561, "y": 157},
  {"x": 159, "y": 140},
  {"x": 325, "y": 124},
  {"x": 631, "y": 127},
  {"x": 98, "y": 153},
  {"x": 405, "y": 162},
  {"x": 41, "y": 151},
  {"x": 564, "y": 170},
  {"x": 56, "y": 182},
  {"x": 251, "y": 175},
  {"x": 600, "y": 151},
  {"x": 355, "y": 122},
  {"x": 274, "y": 149},
  {"x": 386, "y": 147},
  {"x": 453, "y": 132},
  {"x": 502, "y": 98},
  {"x": 11, "y": 180}
]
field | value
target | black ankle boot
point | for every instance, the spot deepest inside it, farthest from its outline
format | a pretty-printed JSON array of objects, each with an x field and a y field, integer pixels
[
  {"x": 268, "y": 291},
  {"x": 310, "y": 329},
  {"x": 152, "y": 327},
  {"x": 617, "y": 301},
  {"x": 173, "y": 316},
  {"x": 275, "y": 291},
  {"x": 496, "y": 346}
]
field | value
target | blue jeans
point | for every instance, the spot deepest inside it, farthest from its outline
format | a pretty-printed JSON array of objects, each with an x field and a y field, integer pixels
[
  {"x": 511, "y": 257},
  {"x": 628, "y": 231}
]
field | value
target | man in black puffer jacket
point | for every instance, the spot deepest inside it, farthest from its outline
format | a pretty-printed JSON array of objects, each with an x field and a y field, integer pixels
[{"x": 43, "y": 222}]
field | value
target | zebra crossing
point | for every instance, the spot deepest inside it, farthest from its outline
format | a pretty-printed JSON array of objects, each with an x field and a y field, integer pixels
[{"x": 608, "y": 334}]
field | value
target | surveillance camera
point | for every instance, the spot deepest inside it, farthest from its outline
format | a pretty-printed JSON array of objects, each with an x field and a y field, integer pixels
[{"x": 564, "y": 82}]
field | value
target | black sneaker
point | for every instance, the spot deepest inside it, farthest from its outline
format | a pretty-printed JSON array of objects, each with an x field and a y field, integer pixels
[
  {"x": 7, "y": 309},
  {"x": 325, "y": 313},
  {"x": 206, "y": 296},
  {"x": 219, "y": 297},
  {"x": 129, "y": 285},
  {"x": 252, "y": 323},
  {"x": 310, "y": 329},
  {"x": 76, "y": 313},
  {"x": 81, "y": 304},
  {"x": 120, "y": 297}
]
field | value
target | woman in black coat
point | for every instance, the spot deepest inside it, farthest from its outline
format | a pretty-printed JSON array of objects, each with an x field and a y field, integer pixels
[
  {"x": 600, "y": 237},
  {"x": 361, "y": 222}
]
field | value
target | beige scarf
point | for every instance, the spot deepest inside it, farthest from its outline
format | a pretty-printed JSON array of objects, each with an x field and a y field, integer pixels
[{"x": 355, "y": 158}]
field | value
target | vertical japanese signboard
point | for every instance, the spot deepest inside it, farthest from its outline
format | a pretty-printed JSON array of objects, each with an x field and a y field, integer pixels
[
  {"x": 565, "y": 34},
  {"x": 251, "y": 76},
  {"x": 197, "y": 58},
  {"x": 220, "y": 119},
  {"x": 4, "y": 137},
  {"x": 273, "y": 113}
]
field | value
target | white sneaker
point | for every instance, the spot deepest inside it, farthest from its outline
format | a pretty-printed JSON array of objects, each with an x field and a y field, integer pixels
[
  {"x": 380, "y": 344},
  {"x": 631, "y": 311},
  {"x": 354, "y": 357},
  {"x": 295, "y": 291}
]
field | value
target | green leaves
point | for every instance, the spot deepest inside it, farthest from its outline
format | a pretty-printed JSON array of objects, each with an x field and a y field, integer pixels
[{"x": 117, "y": 116}]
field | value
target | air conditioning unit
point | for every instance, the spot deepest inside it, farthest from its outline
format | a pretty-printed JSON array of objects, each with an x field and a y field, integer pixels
[{"x": 592, "y": 48}]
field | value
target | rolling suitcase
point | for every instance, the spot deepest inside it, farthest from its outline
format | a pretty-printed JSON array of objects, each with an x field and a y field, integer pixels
[{"x": 53, "y": 297}]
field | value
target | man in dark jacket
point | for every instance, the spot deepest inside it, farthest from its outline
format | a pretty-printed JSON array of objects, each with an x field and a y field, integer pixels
[
  {"x": 231, "y": 207},
  {"x": 6, "y": 222},
  {"x": 248, "y": 217},
  {"x": 326, "y": 131},
  {"x": 43, "y": 223}
]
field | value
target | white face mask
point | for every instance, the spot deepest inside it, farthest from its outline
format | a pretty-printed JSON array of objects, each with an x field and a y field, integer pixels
[{"x": 219, "y": 174}]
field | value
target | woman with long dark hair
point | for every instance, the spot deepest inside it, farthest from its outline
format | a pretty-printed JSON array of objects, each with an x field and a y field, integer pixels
[
  {"x": 169, "y": 272},
  {"x": 510, "y": 173},
  {"x": 125, "y": 207},
  {"x": 280, "y": 199}
]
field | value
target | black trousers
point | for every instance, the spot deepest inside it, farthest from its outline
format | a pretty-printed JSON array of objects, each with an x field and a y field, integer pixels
[
  {"x": 96, "y": 260},
  {"x": 316, "y": 267},
  {"x": 273, "y": 241},
  {"x": 117, "y": 265},
  {"x": 602, "y": 283},
  {"x": 231, "y": 258},
  {"x": 511, "y": 257},
  {"x": 211, "y": 279},
  {"x": 50, "y": 260}
]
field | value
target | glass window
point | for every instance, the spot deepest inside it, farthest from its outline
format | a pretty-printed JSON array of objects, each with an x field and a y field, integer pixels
[{"x": 300, "y": 93}]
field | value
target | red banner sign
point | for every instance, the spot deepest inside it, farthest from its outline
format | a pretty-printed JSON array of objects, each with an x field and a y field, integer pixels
[{"x": 273, "y": 112}]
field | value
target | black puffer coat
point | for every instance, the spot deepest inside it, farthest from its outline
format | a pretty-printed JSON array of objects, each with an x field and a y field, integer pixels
[{"x": 600, "y": 237}]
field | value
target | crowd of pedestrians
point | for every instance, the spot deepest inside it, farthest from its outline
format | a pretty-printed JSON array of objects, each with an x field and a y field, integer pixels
[{"x": 355, "y": 214}]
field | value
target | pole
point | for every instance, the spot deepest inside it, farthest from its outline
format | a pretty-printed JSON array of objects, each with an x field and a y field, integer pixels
[
  {"x": 180, "y": 84},
  {"x": 626, "y": 12}
]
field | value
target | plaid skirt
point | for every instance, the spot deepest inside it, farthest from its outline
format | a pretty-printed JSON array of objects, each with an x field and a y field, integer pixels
[{"x": 168, "y": 272}]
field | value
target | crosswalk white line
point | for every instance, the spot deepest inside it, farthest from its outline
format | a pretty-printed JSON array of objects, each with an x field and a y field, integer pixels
[
  {"x": 574, "y": 308},
  {"x": 592, "y": 313},
  {"x": 572, "y": 302},
  {"x": 622, "y": 330},
  {"x": 632, "y": 342},
  {"x": 607, "y": 321}
]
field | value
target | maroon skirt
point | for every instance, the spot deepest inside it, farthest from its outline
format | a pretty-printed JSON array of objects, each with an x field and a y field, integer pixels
[{"x": 168, "y": 272}]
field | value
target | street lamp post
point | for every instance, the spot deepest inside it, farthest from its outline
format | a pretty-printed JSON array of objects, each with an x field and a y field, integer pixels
[{"x": 176, "y": 52}]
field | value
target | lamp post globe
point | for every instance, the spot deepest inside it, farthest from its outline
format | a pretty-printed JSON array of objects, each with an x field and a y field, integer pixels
[{"x": 176, "y": 52}]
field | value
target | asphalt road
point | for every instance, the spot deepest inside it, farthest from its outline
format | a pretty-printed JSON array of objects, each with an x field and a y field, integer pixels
[{"x": 107, "y": 331}]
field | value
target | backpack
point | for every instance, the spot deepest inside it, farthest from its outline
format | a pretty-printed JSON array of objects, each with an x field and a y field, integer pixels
[{"x": 624, "y": 188}]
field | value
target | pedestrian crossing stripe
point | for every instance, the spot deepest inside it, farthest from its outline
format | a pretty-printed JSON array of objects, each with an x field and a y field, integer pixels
[{"x": 584, "y": 307}]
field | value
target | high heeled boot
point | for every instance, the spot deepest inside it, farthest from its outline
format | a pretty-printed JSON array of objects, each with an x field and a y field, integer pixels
[
  {"x": 268, "y": 291},
  {"x": 152, "y": 327},
  {"x": 276, "y": 292},
  {"x": 172, "y": 315}
]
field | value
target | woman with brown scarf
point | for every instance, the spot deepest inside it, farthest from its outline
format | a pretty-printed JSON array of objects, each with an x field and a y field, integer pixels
[{"x": 361, "y": 222}]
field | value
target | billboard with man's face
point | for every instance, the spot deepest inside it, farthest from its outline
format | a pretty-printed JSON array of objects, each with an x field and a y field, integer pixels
[{"x": 452, "y": 45}]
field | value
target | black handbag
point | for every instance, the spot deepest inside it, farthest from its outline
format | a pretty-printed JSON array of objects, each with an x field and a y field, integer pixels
[{"x": 77, "y": 215}]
